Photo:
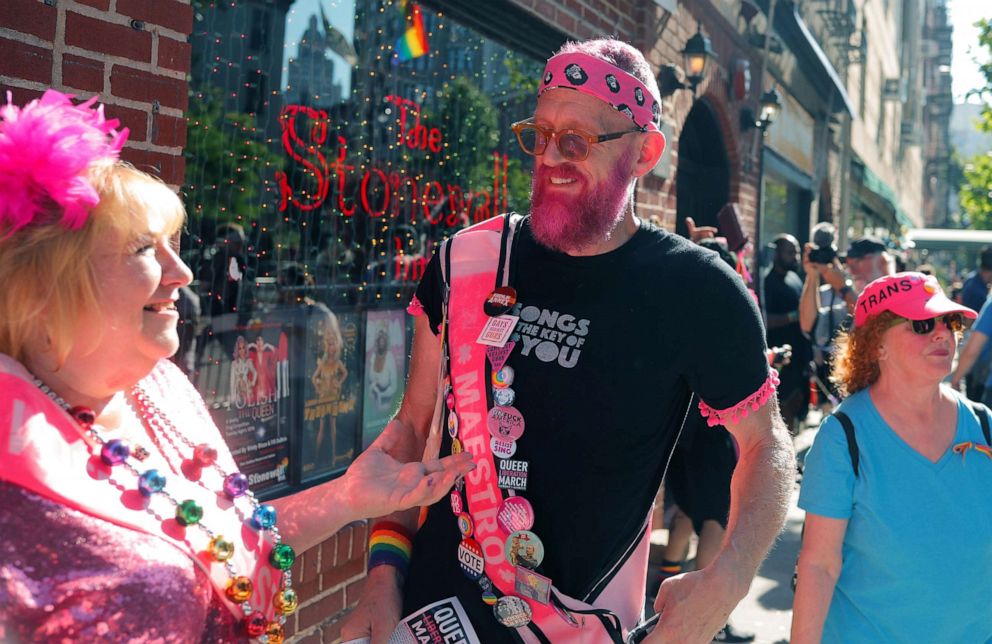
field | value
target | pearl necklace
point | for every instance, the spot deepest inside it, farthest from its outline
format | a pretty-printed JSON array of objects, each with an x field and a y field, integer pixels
[{"x": 151, "y": 482}]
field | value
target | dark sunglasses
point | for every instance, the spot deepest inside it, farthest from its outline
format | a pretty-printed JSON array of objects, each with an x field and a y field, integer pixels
[
  {"x": 573, "y": 145},
  {"x": 953, "y": 321}
]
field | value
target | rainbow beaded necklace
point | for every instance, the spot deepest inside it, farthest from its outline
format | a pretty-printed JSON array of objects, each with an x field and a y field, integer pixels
[{"x": 151, "y": 482}]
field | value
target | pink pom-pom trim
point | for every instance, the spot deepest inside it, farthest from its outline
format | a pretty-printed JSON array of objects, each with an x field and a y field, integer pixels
[
  {"x": 415, "y": 307},
  {"x": 46, "y": 148},
  {"x": 733, "y": 415}
]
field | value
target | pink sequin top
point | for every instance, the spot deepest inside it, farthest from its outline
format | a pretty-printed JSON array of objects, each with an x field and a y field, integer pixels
[
  {"x": 68, "y": 577},
  {"x": 81, "y": 560}
]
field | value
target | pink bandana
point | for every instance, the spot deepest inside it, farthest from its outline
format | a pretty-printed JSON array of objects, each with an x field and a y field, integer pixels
[{"x": 596, "y": 77}]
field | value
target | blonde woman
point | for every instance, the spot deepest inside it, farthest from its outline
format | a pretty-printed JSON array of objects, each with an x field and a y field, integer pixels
[{"x": 124, "y": 516}]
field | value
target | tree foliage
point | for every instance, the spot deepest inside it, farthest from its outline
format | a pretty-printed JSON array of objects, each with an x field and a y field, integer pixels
[
  {"x": 227, "y": 162},
  {"x": 976, "y": 187}
]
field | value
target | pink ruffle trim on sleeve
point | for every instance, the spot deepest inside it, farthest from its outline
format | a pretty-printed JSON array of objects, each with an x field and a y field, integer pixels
[
  {"x": 415, "y": 307},
  {"x": 740, "y": 410}
]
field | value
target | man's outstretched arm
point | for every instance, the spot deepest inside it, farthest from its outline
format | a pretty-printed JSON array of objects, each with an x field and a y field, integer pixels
[{"x": 696, "y": 605}]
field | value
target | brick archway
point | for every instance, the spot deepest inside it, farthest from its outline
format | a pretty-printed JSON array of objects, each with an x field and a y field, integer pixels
[{"x": 703, "y": 178}]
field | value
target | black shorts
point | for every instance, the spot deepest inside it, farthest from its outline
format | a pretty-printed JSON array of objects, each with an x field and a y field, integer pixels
[{"x": 700, "y": 472}]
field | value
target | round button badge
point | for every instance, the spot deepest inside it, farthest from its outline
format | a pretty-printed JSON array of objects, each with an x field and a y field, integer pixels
[
  {"x": 504, "y": 397},
  {"x": 506, "y": 423},
  {"x": 471, "y": 559},
  {"x": 524, "y": 548},
  {"x": 503, "y": 378},
  {"x": 512, "y": 612},
  {"x": 452, "y": 424},
  {"x": 515, "y": 513},
  {"x": 500, "y": 301},
  {"x": 465, "y": 524},
  {"x": 502, "y": 448}
]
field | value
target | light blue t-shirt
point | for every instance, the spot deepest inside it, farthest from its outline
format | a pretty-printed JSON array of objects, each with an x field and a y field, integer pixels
[
  {"x": 984, "y": 324},
  {"x": 917, "y": 554}
]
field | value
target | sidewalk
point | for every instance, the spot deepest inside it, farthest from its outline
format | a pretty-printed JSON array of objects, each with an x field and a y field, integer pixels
[{"x": 767, "y": 609}]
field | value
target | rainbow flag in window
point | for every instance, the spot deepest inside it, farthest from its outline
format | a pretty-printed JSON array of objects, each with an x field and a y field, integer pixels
[{"x": 413, "y": 43}]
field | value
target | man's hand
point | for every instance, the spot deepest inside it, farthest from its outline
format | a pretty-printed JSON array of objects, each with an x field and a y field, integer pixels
[
  {"x": 694, "y": 606},
  {"x": 697, "y": 233},
  {"x": 378, "y": 612}
]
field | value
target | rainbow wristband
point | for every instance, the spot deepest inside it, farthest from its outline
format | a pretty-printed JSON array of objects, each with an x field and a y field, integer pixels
[{"x": 390, "y": 545}]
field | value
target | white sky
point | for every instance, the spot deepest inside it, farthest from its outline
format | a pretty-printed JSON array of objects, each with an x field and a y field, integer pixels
[{"x": 964, "y": 14}]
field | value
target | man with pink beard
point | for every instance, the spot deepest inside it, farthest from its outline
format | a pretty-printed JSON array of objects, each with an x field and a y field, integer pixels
[{"x": 599, "y": 333}]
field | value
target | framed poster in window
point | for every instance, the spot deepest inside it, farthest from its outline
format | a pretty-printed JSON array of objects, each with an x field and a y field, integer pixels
[
  {"x": 246, "y": 388},
  {"x": 332, "y": 382},
  {"x": 385, "y": 370}
]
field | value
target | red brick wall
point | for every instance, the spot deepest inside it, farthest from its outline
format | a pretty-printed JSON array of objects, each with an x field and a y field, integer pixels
[
  {"x": 133, "y": 54},
  {"x": 329, "y": 579}
]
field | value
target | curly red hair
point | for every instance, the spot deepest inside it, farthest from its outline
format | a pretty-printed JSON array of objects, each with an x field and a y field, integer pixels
[{"x": 855, "y": 359}]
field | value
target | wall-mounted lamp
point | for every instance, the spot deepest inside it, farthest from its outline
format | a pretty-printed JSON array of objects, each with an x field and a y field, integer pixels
[
  {"x": 696, "y": 56},
  {"x": 771, "y": 104}
]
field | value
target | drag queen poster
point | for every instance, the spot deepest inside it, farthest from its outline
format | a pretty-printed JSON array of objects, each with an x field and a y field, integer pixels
[
  {"x": 245, "y": 383},
  {"x": 385, "y": 369},
  {"x": 332, "y": 378}
]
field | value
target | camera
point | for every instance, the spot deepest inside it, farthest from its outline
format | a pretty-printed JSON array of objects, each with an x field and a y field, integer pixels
[{"x": 822, "y": 254}]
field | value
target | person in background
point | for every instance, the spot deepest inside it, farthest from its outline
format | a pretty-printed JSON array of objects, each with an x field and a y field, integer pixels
[
  {"x": 867, "y": 260},
  {"x": 225, "y": 270},
  {"x": 189, "y": 311},
  {"x": 822, "y": 307},
  {"x": 869, "y": 569},
  {"x": 124, "y": 516},
  {"x": 783, "y": 288},
  {"x": 974, "y": 293},
  {"x": 973, "y": 353},
  {"x": 975, "y": 289}
]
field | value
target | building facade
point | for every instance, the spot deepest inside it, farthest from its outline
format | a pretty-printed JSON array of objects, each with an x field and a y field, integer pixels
[{"x": 324, "y": 147}]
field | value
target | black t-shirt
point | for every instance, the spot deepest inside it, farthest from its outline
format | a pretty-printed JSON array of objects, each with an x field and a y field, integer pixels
[
  {"x": 611, "y": 348},
  {"x": 782, "y": 294}
]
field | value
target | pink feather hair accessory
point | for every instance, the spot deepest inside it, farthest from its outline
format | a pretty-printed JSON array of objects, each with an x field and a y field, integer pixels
[{"x": 46, "y": 148}]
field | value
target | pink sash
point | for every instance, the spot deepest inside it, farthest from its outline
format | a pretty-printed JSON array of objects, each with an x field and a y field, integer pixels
[
  {"x": 42, "y": 450},
  {"x": 474, "y": 260}
]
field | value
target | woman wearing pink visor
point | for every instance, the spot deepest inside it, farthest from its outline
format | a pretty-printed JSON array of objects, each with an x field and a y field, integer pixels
[{"x": 898, "y": 541}]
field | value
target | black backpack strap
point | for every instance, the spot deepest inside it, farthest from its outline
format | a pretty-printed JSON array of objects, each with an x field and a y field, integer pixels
[
  {"x": 983, "y": 417},
  {"x": 852, "y": 443}
]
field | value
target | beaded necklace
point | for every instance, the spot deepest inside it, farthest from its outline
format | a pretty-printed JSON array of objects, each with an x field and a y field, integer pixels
[{"x": 151, "y": 482}]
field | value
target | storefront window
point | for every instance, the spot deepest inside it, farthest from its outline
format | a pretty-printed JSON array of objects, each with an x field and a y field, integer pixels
[{"x": 331, "y": 145}]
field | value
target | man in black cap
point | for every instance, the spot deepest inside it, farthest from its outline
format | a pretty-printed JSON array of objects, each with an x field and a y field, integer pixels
[{"x": 867, "y": 260}]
